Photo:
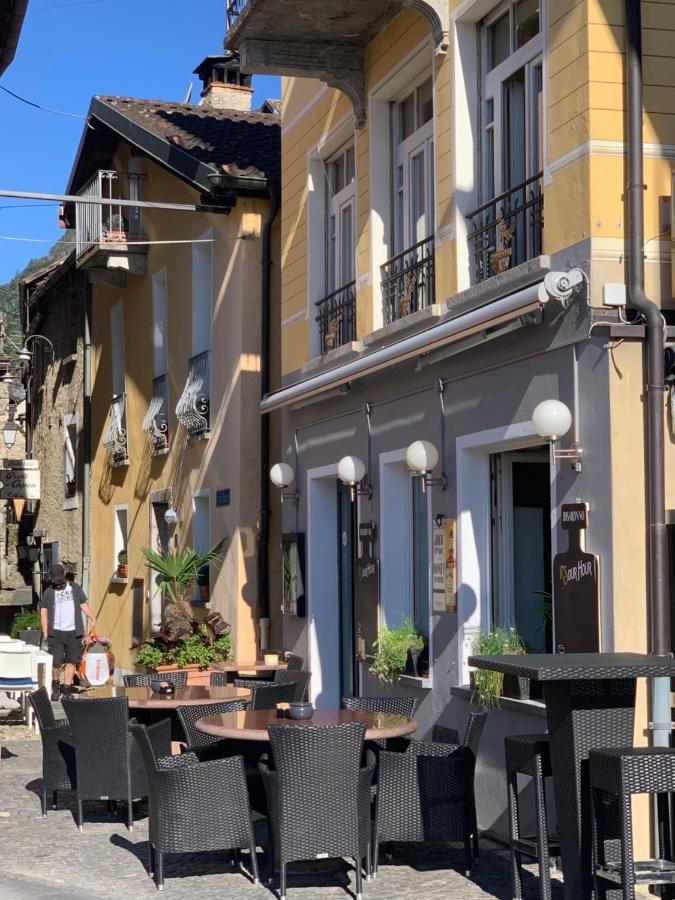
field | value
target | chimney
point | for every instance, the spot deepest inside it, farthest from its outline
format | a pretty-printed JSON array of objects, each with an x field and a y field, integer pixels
[{"x": 224, "y": 86}]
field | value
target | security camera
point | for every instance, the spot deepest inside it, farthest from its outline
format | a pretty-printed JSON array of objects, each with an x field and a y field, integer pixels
[{"x": 560, "y": 285}]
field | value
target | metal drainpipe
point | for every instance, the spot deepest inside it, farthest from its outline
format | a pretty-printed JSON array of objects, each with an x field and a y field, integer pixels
[
  {"x": 264, "y": 537},
  {"x": 86, "y": 441},
  {"x": 655, "y": 386}
]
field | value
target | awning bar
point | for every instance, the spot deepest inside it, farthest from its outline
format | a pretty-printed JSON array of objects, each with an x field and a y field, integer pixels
[{"x": 490, "y": 315}]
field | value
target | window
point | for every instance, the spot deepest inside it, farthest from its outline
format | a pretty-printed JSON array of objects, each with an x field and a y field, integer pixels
[
  {"x": 413, "y": 139},
  {"x": 201, "y": 536},
  {"x": 117, "y": 348},
  {"x": 340, "y": 219},
  {"x": 160, "y": 344},
  {"x": 115, "y": 438},
  {"x": 202, "y": 290},
  {"x": 120, "y": 541},
  {"x": 70, "y": 432}
]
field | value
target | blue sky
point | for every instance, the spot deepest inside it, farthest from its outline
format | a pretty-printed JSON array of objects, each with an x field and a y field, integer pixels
[{"x": 70, "y": 50}]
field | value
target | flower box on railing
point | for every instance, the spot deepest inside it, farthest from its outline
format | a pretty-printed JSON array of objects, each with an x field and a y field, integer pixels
[{"x": 408, "y": 281}]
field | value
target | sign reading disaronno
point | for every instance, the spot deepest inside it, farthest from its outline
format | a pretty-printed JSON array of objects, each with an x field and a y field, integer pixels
[{"x": 20, "y": 480}]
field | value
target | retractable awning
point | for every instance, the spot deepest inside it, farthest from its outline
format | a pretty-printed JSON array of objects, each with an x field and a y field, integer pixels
[{"x": 491, "y": 315}]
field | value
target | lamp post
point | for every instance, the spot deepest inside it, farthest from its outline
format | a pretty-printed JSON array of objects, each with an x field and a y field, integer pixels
[{"x": 9, "y": 433}]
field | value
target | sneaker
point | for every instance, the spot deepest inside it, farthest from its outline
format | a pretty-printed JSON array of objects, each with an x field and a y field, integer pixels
[
  {"x": 66, "y": 690},
  {"x": 56, "y": 690}
]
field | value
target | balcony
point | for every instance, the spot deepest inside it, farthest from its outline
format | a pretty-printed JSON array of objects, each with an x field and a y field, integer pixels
[
  {"x": 156, "y": 421},
  {"x": 193, "y": 408},
  {"x": 105, "y": 233},
  {"x": 316, "y": 39},
  {"x": 115, "y": 439},
  {"x": 507, "y": 230},
  {"x": 408, "y": 282},
  {"x": 337, "y": 318}
]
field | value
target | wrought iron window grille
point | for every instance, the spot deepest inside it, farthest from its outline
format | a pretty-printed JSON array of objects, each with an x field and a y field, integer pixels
[
  {"x": 115, "y": 438},
  {"x": 193, "y": 408},
  {"x": 156, "y": 421},
  {"x": 408, "y": 281},
  {"x": 337, "y": 318}
]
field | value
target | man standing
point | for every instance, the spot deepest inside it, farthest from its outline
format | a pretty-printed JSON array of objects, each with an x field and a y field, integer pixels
[{"x": 61, "y": 611}]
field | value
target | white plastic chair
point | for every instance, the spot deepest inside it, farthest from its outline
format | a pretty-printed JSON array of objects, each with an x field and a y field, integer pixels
[{"x": 17, "y": 667}]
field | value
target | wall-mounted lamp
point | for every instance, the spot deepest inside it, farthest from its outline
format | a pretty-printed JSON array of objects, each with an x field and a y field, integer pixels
[
  {"x": 352, "y": 472},
  {"x": 9, "y": 433},
  {"x": 422, "y": 458},
  {"x": 26, "y": 354},
  {"x": 552, "y": 420},
  {"x": 282, "y": 476},
  {"x": 171, "y": 517}
]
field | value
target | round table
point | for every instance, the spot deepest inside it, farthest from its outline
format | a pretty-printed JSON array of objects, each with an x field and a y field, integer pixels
[
  {"x": 145, "y": 698},
  {"x": 252, "y": 725}
]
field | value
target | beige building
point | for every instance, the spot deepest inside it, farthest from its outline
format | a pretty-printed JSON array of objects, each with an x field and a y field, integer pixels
[{"x": 179, "y": 298}]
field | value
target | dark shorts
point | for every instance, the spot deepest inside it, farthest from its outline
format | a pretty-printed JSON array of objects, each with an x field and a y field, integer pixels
[{"x": 65, "y": 648}]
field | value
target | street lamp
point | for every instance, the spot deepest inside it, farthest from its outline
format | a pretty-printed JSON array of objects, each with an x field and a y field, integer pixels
[
  {"x": 352, "y": 472},
  {"x": 171, "y": 517},
  {"x": 282, "y": 476},
  {"x": 422, "y": 458},
  {"x": 25, "y": 354},
  {"x": 552, "y": 419},
  {"x": 9, "y": 433}
]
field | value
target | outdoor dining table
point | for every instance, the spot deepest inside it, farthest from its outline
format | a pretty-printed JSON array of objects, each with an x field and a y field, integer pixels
[
  {"x": 590, "y": 704},
  {"x": 252, "y": 725},
  {"x": 244, "y": 669},
  {"x": 146, "y": 698}
]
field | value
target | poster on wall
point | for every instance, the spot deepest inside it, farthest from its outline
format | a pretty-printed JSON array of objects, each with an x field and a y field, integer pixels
[
  {"x": 444, "y": 567},
  {"x": 576, "y": 576},
  {"x": 293, "y": 599}
]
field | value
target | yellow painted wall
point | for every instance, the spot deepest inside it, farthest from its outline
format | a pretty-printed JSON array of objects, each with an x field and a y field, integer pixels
[{"x": 230, "y": 458}]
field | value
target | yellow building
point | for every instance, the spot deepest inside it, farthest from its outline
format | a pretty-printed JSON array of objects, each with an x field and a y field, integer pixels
[
  {"x": 454, "y": 252},
  {"x": 178, "y": 298}
]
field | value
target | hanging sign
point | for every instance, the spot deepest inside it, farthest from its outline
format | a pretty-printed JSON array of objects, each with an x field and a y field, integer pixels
[
  {"x": 444, "y": 590},
  {"x": 576, "y": 594},
  {"x": 20, "y": 480}
]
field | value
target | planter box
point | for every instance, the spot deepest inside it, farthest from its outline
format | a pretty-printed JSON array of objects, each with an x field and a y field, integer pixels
[
  {"x": 31, "y": 636},
  {"x": 195, "y": 676}
]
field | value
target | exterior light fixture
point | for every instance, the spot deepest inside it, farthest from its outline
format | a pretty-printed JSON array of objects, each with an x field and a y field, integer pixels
[
  {"x": 552, "y": 420},
  {"x": 422, "y": 458},
  {"x": 282, "y": 476},
  {"x": 171, "y": 517},
  {"x": 9, "y": 433},
  {"x": 352, "y": 472},
  {"x": 26, "y": 354}
]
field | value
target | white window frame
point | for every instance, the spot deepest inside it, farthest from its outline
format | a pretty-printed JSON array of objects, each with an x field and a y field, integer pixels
[
  {"x": 202, "y": 295},
  {"x": 117, "y": 349},
  {"x": 120, "y": 535},
  {"x": 336, "y": 205},
  {"x": 160, "y": 323},
  {"x": 70, "y": 421}
]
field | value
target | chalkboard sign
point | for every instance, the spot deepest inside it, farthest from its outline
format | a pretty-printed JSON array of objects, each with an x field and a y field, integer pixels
[
  {"x": 576, "y": 588},
  {"x": 366, "y": 603}
]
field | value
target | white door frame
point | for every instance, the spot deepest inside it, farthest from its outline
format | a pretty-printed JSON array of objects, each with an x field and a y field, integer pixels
[
  {"x": 323, "y": 592},
  {"x": 474, "y": 562}
]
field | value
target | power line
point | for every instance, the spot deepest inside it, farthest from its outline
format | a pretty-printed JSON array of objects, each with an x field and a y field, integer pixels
[
  {"x": 58, "y": 112},
  {"x": 23, "y": 205},
  {"x": 112, "y": 244}
]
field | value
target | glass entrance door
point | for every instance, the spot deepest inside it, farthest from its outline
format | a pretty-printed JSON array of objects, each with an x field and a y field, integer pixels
[{"x": 346, "y": 566}]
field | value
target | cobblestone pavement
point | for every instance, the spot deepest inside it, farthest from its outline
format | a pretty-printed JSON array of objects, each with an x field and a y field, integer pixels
[{"x": 51, "y": 859}]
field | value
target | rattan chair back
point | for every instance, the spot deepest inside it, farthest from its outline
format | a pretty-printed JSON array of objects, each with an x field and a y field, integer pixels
[
  {"x": 138, "y": 680},
  {"x": 58, "y": 753},
  {"x": 266, "y": 694},
  {"x": 294, "y": 662},
  {"x": 316, "y": 807},
  {"x": 42, "y": 707},
  {"x": 189, "y": 715},
  {"x": 474, "y": 730},
  {"x": 294, "y": 676},
  {"x": 218, "y": 679},
  {"x": 399, "y": 706}
]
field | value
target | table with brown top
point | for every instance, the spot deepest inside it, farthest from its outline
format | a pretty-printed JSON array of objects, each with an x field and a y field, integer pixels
[
  {"x": 244, "y": 669},
  {"x": 146, "y": 698},
  {"x": 252, "y": 725}
]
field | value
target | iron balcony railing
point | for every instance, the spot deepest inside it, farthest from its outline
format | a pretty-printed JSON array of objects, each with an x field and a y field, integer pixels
[
  {"x": 408, "y": 282},
  {"x": 115, "y": 438},
  {"x": 107, "y": 223},
  {"x": 193, "y": 407},
  {"x": 507, "y": 230},
  {"x": 337, "y": 318},
  {"x": 234, "y": 10},
  {"x": 156, "y": 421}
]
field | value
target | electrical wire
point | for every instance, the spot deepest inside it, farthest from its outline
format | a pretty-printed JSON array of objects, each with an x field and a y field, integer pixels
[
  {"x": 109, "y": 245},
  {"x": 25, "y": 205},
  {"x": 58, "y": 112}
]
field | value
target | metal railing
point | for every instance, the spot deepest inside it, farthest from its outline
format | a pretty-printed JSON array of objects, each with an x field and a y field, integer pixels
[
  {"x": 102, "y": 223},
  {"x": 507, "y": 230},
  {"x": 156, "y": 421},
  {"x": 337, "y": 317},
  {"x": 408, "y": 282},
  {"x": 115, "y": 437},
  {"x": 234, "y": 9},
  {"x": 193, "y": 407}
]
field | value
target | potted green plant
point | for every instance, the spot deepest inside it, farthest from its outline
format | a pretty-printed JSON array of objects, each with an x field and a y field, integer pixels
[
  {"x": 490, "y": 686},
  {"x": 393, "y": 648},
  {"x": 122, "y": 564},
  {"x": 26, "y": 626}
]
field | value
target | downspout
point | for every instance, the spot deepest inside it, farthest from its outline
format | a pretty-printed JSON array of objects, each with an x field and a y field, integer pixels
[
  {"x": 265, "y": 316},
  {"x": 657, "y": 558},
  {"x": 86, "y": 442}
]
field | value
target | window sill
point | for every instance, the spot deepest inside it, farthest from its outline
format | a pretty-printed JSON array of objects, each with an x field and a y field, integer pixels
[
  {"x": 117, "y": 580},
  {"x": 163, "y": 452},
  {"x": 71, "y": 503},
  {"x": 120, "y": 464},
  {"x": 528, "y": 707},
  {"x": 424, "y": 684},
  {"x": 201, "y": 436}
]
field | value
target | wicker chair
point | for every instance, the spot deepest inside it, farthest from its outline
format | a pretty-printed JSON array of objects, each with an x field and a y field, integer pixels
[
  {"x": 318, "y": 796},
  {"x": 194, "y": 807},
  {"x": 425, "y": 794},
  {"x": 177, "y": 678},
  {"x": 398, "y": 706},
  {"x": 294, "y": 676},
  {"x": 108, "y": 762},
  {"x": 294, "y": 662},
  {"x": 188, "y": 716},
  {"x": 58, "y": 753},
  {"x": 266, "y": 694}
]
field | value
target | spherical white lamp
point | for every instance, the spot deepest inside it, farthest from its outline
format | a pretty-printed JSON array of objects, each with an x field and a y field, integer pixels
[
  {"x": 421, "y": 457},
  {"x": 552, "y": 419},
  {"x": 351, "y": 470},
  {"x": 171, "y": 517},
  {"x": 282, "y": 475}
]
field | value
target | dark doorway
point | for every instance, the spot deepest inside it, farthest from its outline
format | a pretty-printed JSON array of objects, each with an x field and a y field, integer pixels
[{"x": 347, "y": 530}]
